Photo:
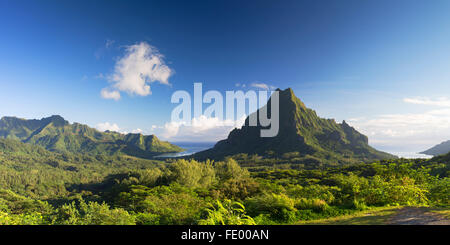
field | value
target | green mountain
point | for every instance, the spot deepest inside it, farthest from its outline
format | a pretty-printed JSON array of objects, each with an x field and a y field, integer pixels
[
  {"x": 56, "y": 134},
  {"x": 440, "y": 149},
  {"x": 302, "y": 133},
  {"x": 9, "y": 146}
]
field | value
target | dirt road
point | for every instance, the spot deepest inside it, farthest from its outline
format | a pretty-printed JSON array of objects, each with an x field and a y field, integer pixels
[{"x": 417, "y": 216}]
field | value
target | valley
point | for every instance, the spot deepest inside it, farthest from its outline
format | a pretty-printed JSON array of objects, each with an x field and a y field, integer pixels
[{"x": 316, "y": 171}]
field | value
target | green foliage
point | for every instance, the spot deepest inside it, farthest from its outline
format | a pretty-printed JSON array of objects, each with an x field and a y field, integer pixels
[
  {"x": 92, "y": 213},
  {"x": 279, "y": 207},
  {"x": 230, "y": 169},
  {"x": 23, "y": 210},
  {"x": 56, "y": 134},
  {"x": 40, "y": 187},
  {"x": 314, "y": 204},
  {"x": 237, "y": 189},
  {"x": 172, "y": 204},
  {"x": 303, "y": 138},
  {"x": 226, "y": 213},
  {"x": 322, "y": 192},
  {"x": 35, "y": 172},
  {"x": 440, "y": 192},
  {"x": 21, "y": 219},
  {"x": 192, "y": 173},
  {"x": 397, "y": 191}
]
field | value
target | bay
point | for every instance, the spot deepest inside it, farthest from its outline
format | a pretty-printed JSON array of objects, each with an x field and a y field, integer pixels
[{"x": 191, "y": 148}]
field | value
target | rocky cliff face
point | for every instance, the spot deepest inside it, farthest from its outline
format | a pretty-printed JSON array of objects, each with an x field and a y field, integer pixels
[{"x": 302, "y": 131}]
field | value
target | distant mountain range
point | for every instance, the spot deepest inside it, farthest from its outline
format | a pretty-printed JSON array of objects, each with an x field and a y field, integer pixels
[
  {"x": 56, "y": 134},
  {"x": 440, "y": 149},
  {"x": 301, "y": 132}
]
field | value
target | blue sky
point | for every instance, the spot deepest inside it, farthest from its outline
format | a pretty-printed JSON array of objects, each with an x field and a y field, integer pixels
[{"x": 381, "y": 65}]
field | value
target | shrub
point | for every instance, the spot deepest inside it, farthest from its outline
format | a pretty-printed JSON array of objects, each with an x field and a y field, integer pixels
[
  {"x": 315, "y": 204},
  {"x": 440, "y": 192},
  {"x": 192, "y": 173},
  {"x": 22, "y": 219},
  {"x": 279, "y": 206},
  {"x": 226, "y": 213},
  {"x": 93, "y": 213},
  {"x": 326, "y": 193},
  {"x": 401, "y": 191},
  {"x": 229, "y": 169},
  {"x": 238, "y": 189},
  {"x": 147, "y": 219},
  {"x": 174, "y": 204}
]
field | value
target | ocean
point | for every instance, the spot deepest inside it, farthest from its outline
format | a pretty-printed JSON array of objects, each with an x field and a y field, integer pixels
[
  {"x": 410, "y": 155},
  {"x": 191, "y": 148},
  {"x": 194, "y": 147}
]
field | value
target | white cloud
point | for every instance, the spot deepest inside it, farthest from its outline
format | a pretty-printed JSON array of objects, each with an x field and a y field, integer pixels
[
  {"x": 137, "y": 131},
  {"x": 409, "y": 131},
  {"x": 416, "y": 131},
  {"x": 141, "y": 65},
  {"x": 201, "y": 129},
  {"x": 107, "y": 126},
  {"x": 442, "y": 101},
  {"x": 107, "y": 93},
  {"x": 260, "y": 85}
]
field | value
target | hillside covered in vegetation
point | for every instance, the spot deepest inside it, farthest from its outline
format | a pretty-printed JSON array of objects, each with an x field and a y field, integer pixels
[
  {"x": 38, "y": 186},
  {"x": 301, "y": 132},
  {"x": 56, "y": 134}
]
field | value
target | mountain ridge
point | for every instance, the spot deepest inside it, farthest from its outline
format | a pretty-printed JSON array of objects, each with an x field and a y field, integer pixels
[
  {"x": 302, "y": 131},
  {"x": 54, "y": 133},
  {"x": 439, "y": 149}
]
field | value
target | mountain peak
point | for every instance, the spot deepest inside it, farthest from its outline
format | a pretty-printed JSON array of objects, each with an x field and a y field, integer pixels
[
  {"x": 9, "y": 118},
  {"x": 54, "y": 117},
  {"x": 56, "y": 134},
  {"x": 57, "y": 120},
  {"x": 287, "y": 93},
  {"x": 301, "y": 131}
]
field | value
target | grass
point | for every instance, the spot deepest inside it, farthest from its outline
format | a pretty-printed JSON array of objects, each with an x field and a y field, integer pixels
[{"x": 373, "y": 216}]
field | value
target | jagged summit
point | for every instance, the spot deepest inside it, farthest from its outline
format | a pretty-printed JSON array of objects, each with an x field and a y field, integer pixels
[
  {"x": 302, "y": 131},
  {"x": 56, "y": 134}
]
